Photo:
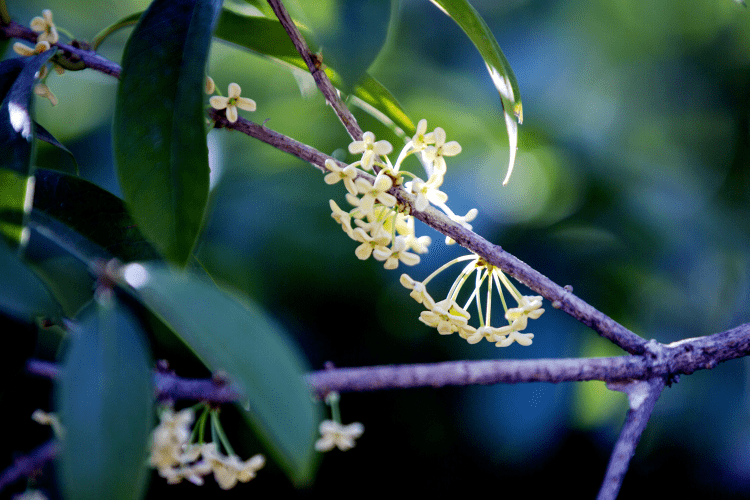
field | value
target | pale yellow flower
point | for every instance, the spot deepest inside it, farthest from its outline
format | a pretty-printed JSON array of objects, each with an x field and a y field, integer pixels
[
  {"x": 375, "y": 192},
  {"x": 418, "y": 291},
  {"x": 370, "y": 149},
  {"x": 399, "y": 251},
  {"x": 26, "y": 51},
  {"x": 228, "y": 470},
  {"x": 446, "y": 316},
  {"x": 210, "y": 86},
  {"x": 336, "y": 435},
  {"x": 45, "y": 27},
  {"x": 347, "y": 174},
  {"x": 232, "y": 102},
  {"x": 42, "y": 90},
  {"x": 435, "y": 154}
]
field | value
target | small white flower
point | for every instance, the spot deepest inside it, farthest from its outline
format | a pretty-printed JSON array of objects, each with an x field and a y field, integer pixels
[
  {"x": 370, "y": 149},
  {"x": 45, "y": 27},
  {"x": 398, "y": 252},
  {"x": 228, "y": 470},
  {"x": 435, "y": 154},
  {"x": 375, "y": 192},
  {"x": 336, "y": 435},
  {"x": 346, "y": 174},
  {"x": 232, "y": 102}
]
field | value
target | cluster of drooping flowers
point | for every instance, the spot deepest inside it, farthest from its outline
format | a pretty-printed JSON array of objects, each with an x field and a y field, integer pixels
[
  {"x": 448, "y": 317},
  {"x": 179, "y": 453},
  {"x": 47, "y": 37},
  {"x": 376, "y": 222},
  {"x": 385, "y": 232}
]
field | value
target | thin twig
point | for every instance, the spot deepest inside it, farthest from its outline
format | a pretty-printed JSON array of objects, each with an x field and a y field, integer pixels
[
  {"x": 28, "y": 464},
  {"x": 635, "y": 423},
  {"x": 316, "y": 70}
]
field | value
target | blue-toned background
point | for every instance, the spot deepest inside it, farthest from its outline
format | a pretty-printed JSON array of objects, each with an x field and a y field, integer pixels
[{"x": 632, "y": 185}]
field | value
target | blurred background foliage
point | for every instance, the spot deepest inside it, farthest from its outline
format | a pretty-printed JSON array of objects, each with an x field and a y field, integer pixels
[{"x": 632, "y": 184}]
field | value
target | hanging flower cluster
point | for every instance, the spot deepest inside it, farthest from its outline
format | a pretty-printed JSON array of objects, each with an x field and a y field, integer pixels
[
  {"x": 448, "y": 317},
  {"x": 386, "y": 233},
  {"x": 179, "y": 453},
  {"x": 376, "y": 222}
]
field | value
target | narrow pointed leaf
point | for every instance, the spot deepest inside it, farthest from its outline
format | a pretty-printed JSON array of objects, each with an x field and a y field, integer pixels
[
  {"x": 159, "y": 139},
  {"x": 43, "y": 135},
  {"x": 237, "y": 338},
  {"x": 105, "y": 401},
  {"x": 17, "y": 79},
  {"x": 500, "y": 71}
]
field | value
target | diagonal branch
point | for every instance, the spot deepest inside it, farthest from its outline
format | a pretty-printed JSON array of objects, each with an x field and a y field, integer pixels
[
  {"x": 560, "y": 297},
  {"x": 316, "y": 70},
  {"x": 642, "y": 401},
  {"x": 27, "y": 465}
]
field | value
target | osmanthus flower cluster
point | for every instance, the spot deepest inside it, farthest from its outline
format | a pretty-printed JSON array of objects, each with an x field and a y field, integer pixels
[
  {"x": 386, "y": 233},
  {"x": 48, "y": 36},
  {"x": 179, "y": 453},
  {"x": 376, "y": 222},
  {"x": 448, "y": 317}
]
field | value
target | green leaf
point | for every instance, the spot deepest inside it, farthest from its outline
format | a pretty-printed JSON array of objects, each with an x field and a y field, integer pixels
[
  {"x": 238, "y": 338},
  {"x": 92, "y": 212},
  {"x": 268, "y": 38},
  {"x": 371, "y": 93},
  {"x": 500, "y": 71},
  {"x": 105, "y": 399},
  {"x": 22, "y": 295},
  {"x": 43, "y": 135},
  {"x": 351, "y": 34},
  {"x": 159, "y": 139},
  {"x": 17, "y": 79},
  {"x": 15, "y": 188}
]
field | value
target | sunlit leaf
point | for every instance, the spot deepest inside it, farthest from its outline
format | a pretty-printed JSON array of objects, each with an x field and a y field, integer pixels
[
  {"x": 17, "y": 80},
  {"x": 500, "y": 71},
  {"x": 159, "y": 140},
  {"x": 237, "y": 338},
  {"x": 105, "y": 402}
]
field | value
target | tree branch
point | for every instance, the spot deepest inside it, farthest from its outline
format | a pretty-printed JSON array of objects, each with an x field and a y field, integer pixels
[
  {"x": 29, "y": 464},
  {"x": 635, "y": 423},
  {"x": 316, "y": 70},
  {"x": 684, "y": 357},
  {"x": 560, "y": 297}
]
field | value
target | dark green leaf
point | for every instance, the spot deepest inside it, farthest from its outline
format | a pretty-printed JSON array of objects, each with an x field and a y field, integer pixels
[
  {"x": 43, "y": 135},
  {"x": 268, "y": 38},
  {"x": 16, "y": 123},
  {"x": 350, "y": 34},
  {"x": 22, "y": 294},
  {"x": 501, "y": 73},
  {"x": 105, "y": 401},
  {"x": 93, "y": 212},
  {"x": 159, "y": 139},
  {"x": 236, "y": 337}
]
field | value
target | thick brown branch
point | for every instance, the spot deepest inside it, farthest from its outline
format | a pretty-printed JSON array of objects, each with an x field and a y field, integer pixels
[{"x": 316, "y": 70}]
